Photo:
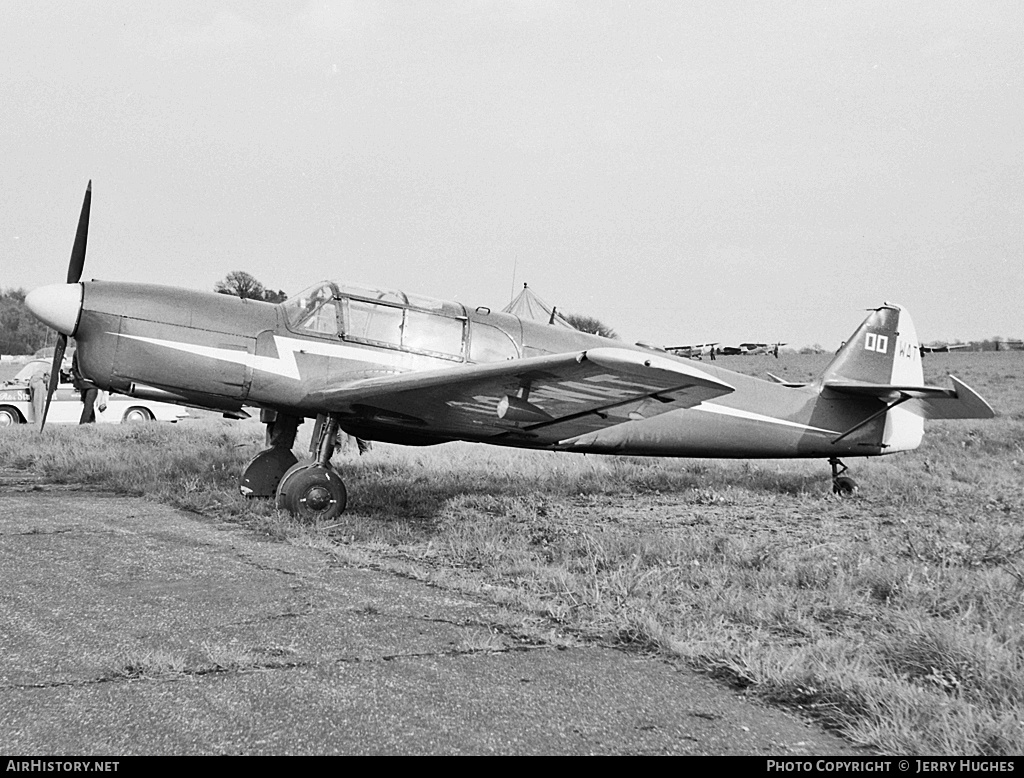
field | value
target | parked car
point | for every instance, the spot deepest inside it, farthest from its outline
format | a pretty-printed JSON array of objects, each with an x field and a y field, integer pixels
[{"x": 66, "y": 406}]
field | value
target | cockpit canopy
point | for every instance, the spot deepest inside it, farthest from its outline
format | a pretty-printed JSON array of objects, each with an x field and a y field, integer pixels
[
  {"x": 299, "y": 306},
  {"x": 380, "y": 317}
]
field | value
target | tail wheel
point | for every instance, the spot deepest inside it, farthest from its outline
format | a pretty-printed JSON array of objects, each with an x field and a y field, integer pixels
[
  {"x": 9, "y": 416},
  {"x": 135, "y": 414},
  {"x": 312, "y": 492},
  {"x": 844, "y": 486}
]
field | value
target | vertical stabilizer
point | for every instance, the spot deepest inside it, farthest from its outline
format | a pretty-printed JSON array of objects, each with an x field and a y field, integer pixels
[
  {"x": 883, "y": 356},
  {"x": 883, "y": 350}
]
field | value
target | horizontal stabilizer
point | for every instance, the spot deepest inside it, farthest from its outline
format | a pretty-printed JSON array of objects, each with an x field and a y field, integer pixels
[
  {"x": 929, "y": 402},
  {"x": 778, "y": 380}
]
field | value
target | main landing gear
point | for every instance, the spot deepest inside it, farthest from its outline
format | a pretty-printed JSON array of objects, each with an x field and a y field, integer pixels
[
  {"x": 842, "y": 485},
  {"x": 311, "y": 491}
]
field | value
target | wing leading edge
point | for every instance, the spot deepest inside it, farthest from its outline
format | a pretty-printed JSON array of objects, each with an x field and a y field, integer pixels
[{"x": 548, "y": 398}]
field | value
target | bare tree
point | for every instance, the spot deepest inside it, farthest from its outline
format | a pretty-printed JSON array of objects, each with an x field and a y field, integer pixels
[{"x": 242, "y": 284}]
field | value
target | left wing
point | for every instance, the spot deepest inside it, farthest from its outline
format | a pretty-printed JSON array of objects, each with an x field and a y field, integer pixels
[{"x": 546, "y": 399}]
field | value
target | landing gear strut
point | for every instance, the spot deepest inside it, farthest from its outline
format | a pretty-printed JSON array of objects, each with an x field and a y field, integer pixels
[
  {"x": 313, "y": 491},
  {"x": 842, "y": 485}
]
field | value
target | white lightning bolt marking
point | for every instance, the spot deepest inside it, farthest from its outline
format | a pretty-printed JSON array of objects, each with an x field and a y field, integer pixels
[
  {"x": 285, "y": 364},
  {"x": 740, "y": 414}
]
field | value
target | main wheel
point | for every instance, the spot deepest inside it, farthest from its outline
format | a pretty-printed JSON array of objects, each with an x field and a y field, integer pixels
[
  {"x": 136, "y": 414},
  {"x": 312, "y": 492},
  {"x": 9, "y": 416},
  {"x": 844, "y": 486}
]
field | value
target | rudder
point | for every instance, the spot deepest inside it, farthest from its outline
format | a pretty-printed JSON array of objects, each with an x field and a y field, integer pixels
[{"x": 883, "y": 350}]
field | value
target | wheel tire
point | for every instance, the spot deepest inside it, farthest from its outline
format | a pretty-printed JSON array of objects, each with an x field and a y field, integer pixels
[
  {"x": 9, "y": 417},
  {"x": 844, "y": 486},
  {"x": 311, "y": 492},
  {"x": 134, "y": 415}
]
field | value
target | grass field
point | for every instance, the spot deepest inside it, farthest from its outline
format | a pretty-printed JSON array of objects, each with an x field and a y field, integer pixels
[{"x": 896, "y": 616}]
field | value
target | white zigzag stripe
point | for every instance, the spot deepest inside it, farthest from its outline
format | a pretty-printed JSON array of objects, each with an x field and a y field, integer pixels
[
  {"x": 285, "y": 364},
  {"x": 741, "y": 414}
]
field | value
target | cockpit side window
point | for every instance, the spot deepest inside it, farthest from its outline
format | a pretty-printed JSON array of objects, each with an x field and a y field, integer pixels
[
  {"x": 433, "y": 334},
  {"x": 404, "y": 328},
  {"x": 314, "y": 310},
  {"x": 374, "y": 323},
  {"x": 490, "y": 344},
  {"x": 323, "y": 321}
]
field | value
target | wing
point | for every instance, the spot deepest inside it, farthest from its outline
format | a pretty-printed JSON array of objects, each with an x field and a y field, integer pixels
[{"x": 534, "y": 401}]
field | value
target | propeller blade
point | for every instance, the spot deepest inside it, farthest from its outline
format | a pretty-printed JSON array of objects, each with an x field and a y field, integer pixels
[
  {"x": 77, "y": 262},
  {"x": 58, "y": 358}
]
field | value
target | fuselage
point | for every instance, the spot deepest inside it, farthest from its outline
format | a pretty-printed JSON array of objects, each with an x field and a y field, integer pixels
[{"x": 221, "y": 352}]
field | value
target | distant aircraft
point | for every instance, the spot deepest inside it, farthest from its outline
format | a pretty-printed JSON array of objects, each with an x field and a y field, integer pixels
[
  {"x": 696, "y": 351},
  {"x": 395, "y": 367},
  {"x": 942, "y": 348},
  {"x": 751, "y": 348},
  {"x": 705, "y": 349}
]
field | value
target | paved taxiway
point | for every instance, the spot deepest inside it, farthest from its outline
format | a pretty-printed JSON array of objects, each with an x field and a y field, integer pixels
[{"x": 133, "y": 628}]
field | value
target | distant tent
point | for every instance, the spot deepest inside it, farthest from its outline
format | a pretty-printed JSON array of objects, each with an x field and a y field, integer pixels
[{"x": 529, "y": 306}]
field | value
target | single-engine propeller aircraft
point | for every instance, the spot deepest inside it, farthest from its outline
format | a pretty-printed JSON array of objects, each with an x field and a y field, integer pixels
[
  {"x": 746, "y": 349},
  {"x": 695, "y": 351},
  {"x": 942, "y": 348},
  {"x": 394, "y": 367}
]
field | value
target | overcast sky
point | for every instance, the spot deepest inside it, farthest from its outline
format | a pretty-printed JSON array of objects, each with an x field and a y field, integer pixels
[{"x": 684, "y": 171}]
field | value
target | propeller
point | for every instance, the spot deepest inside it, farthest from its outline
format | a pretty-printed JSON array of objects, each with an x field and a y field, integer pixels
[{"x": 75, "y": 267}]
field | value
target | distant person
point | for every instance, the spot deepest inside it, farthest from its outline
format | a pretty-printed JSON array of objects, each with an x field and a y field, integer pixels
[
  {"x": 90, "y": 394},
  {"x": 712, "y": 353},
  {"x": 66, "y": 373},
  {"x": 775, "y": 351},
  {"x": 38, "y": 384}
]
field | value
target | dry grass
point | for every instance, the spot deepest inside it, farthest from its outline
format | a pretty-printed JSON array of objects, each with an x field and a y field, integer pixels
[{"x": 896, "y": 617}]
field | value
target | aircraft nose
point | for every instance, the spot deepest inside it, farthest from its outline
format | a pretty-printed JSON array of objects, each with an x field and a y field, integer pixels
[{"x": 57, "y": 306}]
